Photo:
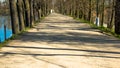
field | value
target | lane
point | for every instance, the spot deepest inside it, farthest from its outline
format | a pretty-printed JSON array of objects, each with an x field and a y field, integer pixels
[{"x": 59, "y": 41}]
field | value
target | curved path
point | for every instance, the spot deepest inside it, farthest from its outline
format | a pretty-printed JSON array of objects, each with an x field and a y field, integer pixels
[{"x": 61, "y": 42}]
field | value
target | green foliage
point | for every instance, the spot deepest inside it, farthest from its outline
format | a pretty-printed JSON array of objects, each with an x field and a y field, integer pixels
[
  {"x": 4, "y": 43},
  {"x": 82, "y": 20}
]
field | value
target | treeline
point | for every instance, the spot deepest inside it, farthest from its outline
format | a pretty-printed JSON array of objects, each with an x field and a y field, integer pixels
[
  {"x": 24, "y": 13},
  {"x": 100, "y": 12},
  {"x": 4, "y": 8}
]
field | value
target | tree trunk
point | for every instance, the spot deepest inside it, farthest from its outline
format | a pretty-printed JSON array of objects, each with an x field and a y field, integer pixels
[
  {"x": 89, "y": 13},
  {"x": 117, "y": 17},
  {"x": 109, "y": 15},
  {"x": 14, "y": 17},
  {"x": 34, "y": 10},
  {"x": 31, "y": 13},
  {"x": 112, "y": 15},
  {"x": 38, "y": 13},
  {"x": 102, "y": 19},
  {"x": 27, "y": 12},
  {"x": 20, "y": 15}
]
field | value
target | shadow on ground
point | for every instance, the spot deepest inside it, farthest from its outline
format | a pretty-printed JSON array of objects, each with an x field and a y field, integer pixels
[
  {"x": 66, "y": 49},
  {"x": 70, "y": 38}
]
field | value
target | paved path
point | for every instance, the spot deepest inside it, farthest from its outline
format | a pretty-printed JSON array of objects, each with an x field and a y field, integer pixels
[{"x": 61, "y": 42}]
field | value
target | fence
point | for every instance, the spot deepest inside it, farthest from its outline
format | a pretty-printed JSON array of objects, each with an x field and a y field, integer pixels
[{"x": 5, "y": 28}]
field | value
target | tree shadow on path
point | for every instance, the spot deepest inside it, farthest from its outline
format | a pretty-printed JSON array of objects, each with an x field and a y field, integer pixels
[{"x": 3, "y": 54}]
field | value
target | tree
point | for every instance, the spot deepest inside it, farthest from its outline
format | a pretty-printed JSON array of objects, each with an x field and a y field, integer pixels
[
  {"x": 27, "y": 12},
  {"x": 20, "y": 15},
  {"x": 117, "y": 17},
  {"x": 14, "y": 17},
  {"x": 102, "y": 13},
  {"x": 89, "y": 13},
  {"x": 111, "y": 14},
  {"x": 31, "y": 13}
]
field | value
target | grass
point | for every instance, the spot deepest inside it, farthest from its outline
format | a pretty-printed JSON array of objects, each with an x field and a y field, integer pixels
[
  {"x": 103, "y": 29},
  {"x": 38, "y": 21}
]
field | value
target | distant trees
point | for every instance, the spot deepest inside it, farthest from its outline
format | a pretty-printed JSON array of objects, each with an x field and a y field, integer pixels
[
  {"x": 4, "y": 5},
  {"x": 90, "y": 9},
  {"x": 24, "y": 13},
  {"x": 76, "y": 8}
]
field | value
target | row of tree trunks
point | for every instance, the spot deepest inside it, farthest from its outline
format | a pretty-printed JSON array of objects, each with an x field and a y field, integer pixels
[
  {"x": 103, "y": 10},
  {"x": 25, "y": 12}
]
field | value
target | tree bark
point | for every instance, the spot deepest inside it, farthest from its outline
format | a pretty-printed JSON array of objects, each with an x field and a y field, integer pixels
[
  {"x": 20, "y": 15},
  {"x": 112, "y": 15},
  {"x": 102, "y": 19},
  {"x": 27, "y": 12},
  {"x": 14, "y": 16},
  {"x": 89, "y": 13},
  {"x": 117, "y": 17},
  {"x": 31, "y": 14}
]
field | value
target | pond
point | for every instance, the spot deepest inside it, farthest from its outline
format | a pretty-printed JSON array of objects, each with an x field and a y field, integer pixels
[{"x": 5, "y": 28}]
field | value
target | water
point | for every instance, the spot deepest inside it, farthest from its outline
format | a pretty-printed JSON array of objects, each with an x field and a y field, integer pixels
[{"x": 5, "y": 28}]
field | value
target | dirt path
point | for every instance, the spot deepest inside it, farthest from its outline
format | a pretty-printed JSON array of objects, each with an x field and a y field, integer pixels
[{"x": 61, "y": 42}]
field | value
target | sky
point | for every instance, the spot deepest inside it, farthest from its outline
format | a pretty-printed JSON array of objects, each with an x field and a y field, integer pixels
[{"x": 2, "y": 0}]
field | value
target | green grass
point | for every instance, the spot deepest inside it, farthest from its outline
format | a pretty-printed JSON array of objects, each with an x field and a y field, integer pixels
[
  {"x": 103, "y": 29},
  {"x": 82, "y": 20},
  {"x": 4, "y": 43}
]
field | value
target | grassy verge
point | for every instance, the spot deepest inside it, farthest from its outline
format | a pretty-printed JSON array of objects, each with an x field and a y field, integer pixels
[{"x": 103, "y": 29}]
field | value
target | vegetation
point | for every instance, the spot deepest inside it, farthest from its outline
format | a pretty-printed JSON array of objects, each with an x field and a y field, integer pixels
[
  {"x": 102, "y": 13},
  {"x": 24, "y": 13},
  {"x": 4, "y": 5},
  {"x": 102, "y": 29}
]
